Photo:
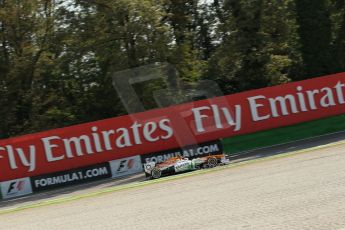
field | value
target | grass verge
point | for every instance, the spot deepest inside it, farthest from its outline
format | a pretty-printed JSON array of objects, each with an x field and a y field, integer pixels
[{"x": 305, "y": 130}]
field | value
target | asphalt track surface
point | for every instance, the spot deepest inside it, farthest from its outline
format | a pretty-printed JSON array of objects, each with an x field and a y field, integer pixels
[{"x": 298, "y": 191}]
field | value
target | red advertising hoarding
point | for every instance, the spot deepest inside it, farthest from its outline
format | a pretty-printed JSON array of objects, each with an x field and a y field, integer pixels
[{"x": 168, "y": 128}]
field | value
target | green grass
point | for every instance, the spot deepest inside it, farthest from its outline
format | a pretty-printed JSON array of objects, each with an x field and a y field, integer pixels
[{"x": 238, "y": 144}]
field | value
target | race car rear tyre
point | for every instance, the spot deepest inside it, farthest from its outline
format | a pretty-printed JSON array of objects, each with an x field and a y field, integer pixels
[
  {"x": 212, "y": 162},
  {"x": 156, "y": 173}
]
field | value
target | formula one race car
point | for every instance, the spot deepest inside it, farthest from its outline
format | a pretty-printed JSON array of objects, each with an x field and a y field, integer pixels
[{"x": 180, "y": 164}]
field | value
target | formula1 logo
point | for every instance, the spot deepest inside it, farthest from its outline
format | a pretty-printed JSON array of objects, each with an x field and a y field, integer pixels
[
  {"x": 16, "y": 188},
  {"x": 126, "y": 166}
]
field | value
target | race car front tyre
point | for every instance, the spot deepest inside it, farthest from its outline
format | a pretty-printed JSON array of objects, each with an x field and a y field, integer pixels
[
  {"x": 212, "y": 162},
  {"x": 156, "y": 173}
]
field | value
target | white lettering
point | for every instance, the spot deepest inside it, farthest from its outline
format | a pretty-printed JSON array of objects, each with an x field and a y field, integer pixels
[
  {"x": 28, "y": 162},
  {"x": 2, "y": 149},
  {"x": 237, "y": 120},
  {"x": 283, "y": 105},
  {"x": 214, "y": 148},
  {"x": 198, "y": 118},
  {"x": 301, "y": 99},
  {"x": 10, "y": 153},
  {"x": 76, "y": 141},
  {"x": 327, "y": 100},
  {"x": 48, "y": 148},
  {"x": 311, "y": 98},
  {"x": 106, "y": 137},
  {"x": 149, "y": 129},
  {"x": 123, "y": 140},
  {"x": 216, "y": 116},
  {"x": 340, "y": 94},
  {"x": 135, "y": 127},
  {"x": 164, "y": 125},
  {"x": 254, "y": 105},
  {"x": 96, "y": 139}
]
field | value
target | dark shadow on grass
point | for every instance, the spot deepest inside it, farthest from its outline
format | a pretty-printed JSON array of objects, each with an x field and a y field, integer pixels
[{"x": 289, "y": 147}]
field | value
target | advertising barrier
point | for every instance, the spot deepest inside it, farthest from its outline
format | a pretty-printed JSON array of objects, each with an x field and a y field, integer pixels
[
  {"x": 16, "y": 188},
  {"x": 192, "y": 151},
  {"x": 71, "y": 177},
  {"x": 168, "y": 128},
  {"x": 114, "y": 169}
]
